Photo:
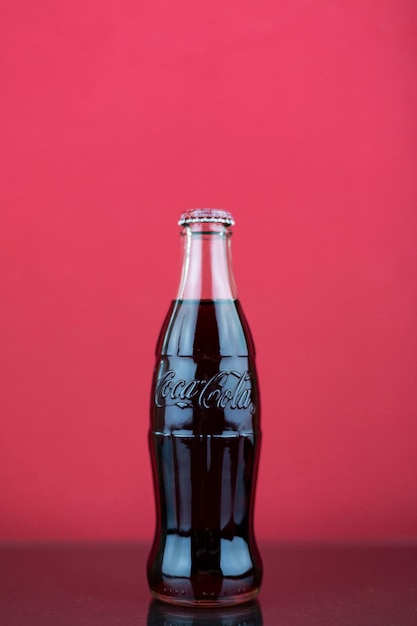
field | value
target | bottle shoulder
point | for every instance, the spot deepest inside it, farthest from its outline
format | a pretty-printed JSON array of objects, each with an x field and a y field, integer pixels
[{"x": 205, "y": 329}]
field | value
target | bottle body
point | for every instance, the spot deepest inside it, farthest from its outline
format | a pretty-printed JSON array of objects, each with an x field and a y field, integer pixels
[{"x": 204, "y": 443}]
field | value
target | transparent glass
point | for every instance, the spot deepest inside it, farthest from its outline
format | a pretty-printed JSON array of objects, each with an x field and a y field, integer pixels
[{"x": 207, "y": 266}]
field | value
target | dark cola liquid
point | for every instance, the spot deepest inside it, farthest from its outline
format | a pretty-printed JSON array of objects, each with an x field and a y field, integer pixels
[{"x": 204, "y": 444}]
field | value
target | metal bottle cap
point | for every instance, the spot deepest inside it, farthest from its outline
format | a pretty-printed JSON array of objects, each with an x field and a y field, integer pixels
[{"x": 206, "y": 215}]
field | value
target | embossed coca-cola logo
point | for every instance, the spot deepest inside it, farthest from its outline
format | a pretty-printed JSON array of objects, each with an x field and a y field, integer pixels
[{"x": 224, "y": 389}]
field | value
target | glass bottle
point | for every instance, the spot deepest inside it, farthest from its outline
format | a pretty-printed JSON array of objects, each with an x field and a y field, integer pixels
[{"x": 205, "y": 432}]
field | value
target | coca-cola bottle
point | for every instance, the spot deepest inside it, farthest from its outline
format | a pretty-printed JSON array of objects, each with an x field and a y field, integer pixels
[{"x": 205, "y": 434}]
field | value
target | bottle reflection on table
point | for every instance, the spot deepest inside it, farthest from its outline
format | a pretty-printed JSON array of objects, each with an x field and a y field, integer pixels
[{"x": 162, "y": 614}]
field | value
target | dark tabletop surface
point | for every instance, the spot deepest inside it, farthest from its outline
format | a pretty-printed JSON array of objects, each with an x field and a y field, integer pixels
[{"x": 103, "y": 584}]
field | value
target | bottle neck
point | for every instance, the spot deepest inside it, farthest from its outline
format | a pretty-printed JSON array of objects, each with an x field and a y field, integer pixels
[{"x": 207, "y": 263}]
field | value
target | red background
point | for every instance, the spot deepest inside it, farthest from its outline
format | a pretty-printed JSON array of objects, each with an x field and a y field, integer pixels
[{"x": 297, "y": 116}]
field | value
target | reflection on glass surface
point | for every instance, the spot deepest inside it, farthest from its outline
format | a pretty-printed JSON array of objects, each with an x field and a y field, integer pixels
[{"x": 161, "y": 614}]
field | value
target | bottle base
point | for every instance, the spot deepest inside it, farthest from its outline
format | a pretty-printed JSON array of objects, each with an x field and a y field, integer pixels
[{"x": 207, "y": 602}]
